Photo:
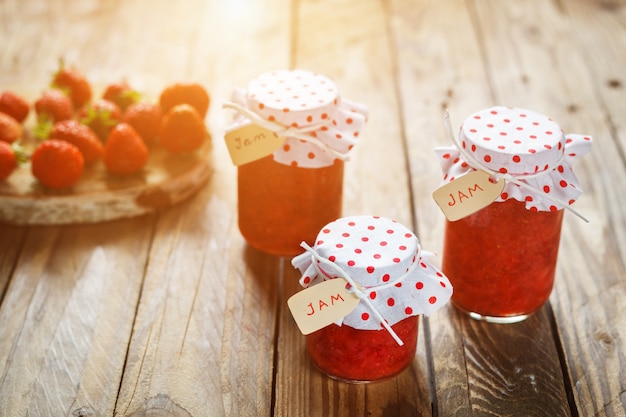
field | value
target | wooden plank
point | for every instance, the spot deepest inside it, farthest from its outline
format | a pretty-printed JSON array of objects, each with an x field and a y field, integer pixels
[
  {"x": 359, "y": 61},
  {"x": 67, "y": 317},
  {"x": 553, "y": 69},
  {"x": 11, "y": 240},
  {"x": 203, "y": 339},
  {"x": 441, "y": 43}
]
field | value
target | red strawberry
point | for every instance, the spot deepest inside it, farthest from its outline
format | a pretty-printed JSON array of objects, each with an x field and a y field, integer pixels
[
  {"x": 101, "y": 115},
  {"x": 10, "y": 129},
  {"x": 80, "y": 136},
  {"x": 182, "y": 129},
  {"x": 14, "y": 105},
  {"x": 54, "y": 105},
  {"x": 74, "y": 83},
  {"x": 189, "y": 93},
  {"x": 57, "y": 163},
  {"x": 121, "y": 94},
  {"x": 125, "y": 152},
  {"x": 8, "y": 160},
  {"x": 145, "y": 118}
]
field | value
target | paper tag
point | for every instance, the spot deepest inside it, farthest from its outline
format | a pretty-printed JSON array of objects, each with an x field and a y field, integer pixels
[
  {"x": 322, "y": 304},
  {"x": 467, "y": 194},
  {"x": 251, "y": 142}
]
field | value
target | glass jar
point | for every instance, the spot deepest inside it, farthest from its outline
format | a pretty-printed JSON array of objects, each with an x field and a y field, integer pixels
[
  {"x": 382, "y": 261},
  {"x": 357, "y": 356},
  {"x": 497, "y": 284},
  {"x": 502, "y": 258},
  {"x": 289, "y": 195},
  {"x": 266, "y": 192}
]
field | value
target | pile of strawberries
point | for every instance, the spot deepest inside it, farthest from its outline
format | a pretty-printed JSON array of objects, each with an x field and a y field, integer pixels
[{"x": 75, "y": 129}]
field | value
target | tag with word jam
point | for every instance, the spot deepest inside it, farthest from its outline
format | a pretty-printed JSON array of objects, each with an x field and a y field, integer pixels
[
  {"x": 322, "y": 304},
  {"x": 467, "y": 194},
  {"x": 251, "y": 142}
]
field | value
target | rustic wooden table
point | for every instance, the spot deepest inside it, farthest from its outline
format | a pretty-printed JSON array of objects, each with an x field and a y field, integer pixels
[{"x": 171, "y": 314}]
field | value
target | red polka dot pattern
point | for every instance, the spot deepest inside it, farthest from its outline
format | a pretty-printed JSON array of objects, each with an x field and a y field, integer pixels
[
  {"x": 301, "y": 99},
  {"x": 522, "y": 144},
  {"x": 411, "y": 285}
]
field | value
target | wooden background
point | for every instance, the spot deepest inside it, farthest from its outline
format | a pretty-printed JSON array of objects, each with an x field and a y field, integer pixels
[{"x": 172, "y": 314}]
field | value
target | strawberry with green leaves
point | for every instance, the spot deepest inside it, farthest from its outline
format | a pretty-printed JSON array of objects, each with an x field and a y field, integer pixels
[
  {"x": 8, "y": 160},
  {"x": 125, "y": 153},
  {"x": 145, "y": 118},
  {"x": 73, "y": 83},
  {"x": 10, "y": 129},
  {"x": 182, "y": 129},
  {"x": 14, "y": 105},
  {"x": 185, "y": 93},
  {"x": 57, "y": 164},
  {"x": 101, "y": 116},
  {"x": 80, "y": 136},
  {"x": 122, "y": 94},
  {"x": 53, "y": 105}
]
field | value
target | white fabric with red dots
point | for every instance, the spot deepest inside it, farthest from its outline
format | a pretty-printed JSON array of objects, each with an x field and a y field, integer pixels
[
  {"x": 385, "y": 259},
  {"x": 524, "y": 145},
  {"x": 308, "y": 101}
]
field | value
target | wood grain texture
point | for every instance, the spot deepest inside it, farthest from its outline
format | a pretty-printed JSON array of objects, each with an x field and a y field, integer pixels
[
  {"x": 203, "y": 338},
  {"x": 67, "y": 317},
  {"x": 172, "y": 314},
  {"x": 380, "y": 150},
  {"x": 584, "y": 282}
]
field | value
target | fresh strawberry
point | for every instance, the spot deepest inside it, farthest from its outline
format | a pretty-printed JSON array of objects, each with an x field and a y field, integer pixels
[
  {"x": 10, "y": 129},
  {"x": 182, "y": 129},
  {"x": 74, "y": 84},
  {"x": 189, "y": 93},
  {"x": 57, "y": 163},
  {"x": 101, "y": 116},
  {"x": 145, "y": 118},
  {"x": 8, "y": 160},
  {"x": 54, "y": 105},
  {"x": 14, "y": 105},
  {"x": 122, "y": 94},
  {"x": 125, "y": 152},
  {"x": 80, "y": 136}
]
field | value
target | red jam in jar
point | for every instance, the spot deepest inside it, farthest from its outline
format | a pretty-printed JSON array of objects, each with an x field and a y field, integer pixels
[
  {"x": 354, "y": 355},
  {"x": 502, "y": 258},
  {"x": 288, "y": 195},
  {"x": 394, "y": 283}
]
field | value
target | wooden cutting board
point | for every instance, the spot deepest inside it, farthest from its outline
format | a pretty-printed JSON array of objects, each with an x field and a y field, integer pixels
[{"x": 99, "y": 196}]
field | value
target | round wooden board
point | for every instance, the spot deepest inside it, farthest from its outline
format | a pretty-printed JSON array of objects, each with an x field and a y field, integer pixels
[{"x": 99, "y": 196}]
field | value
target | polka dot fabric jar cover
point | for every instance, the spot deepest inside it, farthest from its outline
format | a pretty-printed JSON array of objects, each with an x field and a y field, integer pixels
[
  {"x": 523, "y": 144},
  {"x": 310, "y": 102},
  {"x": 385, "y": 259}
]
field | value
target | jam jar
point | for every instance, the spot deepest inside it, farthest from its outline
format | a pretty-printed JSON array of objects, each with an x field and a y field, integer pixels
[
  {"x": 288, "y": 195},
  {"x": 381, "y": 260},
  {"x": 502, "y": 258}
]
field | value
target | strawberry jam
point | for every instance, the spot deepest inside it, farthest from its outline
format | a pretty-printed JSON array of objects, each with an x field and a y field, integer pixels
[
  {"x": 501, "y": 260},
  {"x": 282, "y": 205},
  {"x": 354, "y": 355}
]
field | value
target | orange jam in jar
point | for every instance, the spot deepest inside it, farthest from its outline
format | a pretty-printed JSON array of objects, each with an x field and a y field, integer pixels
[
  {"x": 270, "y": 193},
  {"x": 382, "y": 262},
  {"x": 502, "y": 258},
  {"x": 287, "y": 195}
]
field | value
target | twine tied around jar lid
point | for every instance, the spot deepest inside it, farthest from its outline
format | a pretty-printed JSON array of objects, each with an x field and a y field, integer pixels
[
  {"x": 384, "y": 265},
  {"x": 526, "y": 149},
  {"x": 305, "y": 108}
]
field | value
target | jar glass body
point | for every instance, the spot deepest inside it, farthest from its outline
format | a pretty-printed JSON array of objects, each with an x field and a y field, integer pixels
[
  {"x": 280, "y": 205},
  {"x": 501, "y": 260},
  {"x": 358, "y": 356}
]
